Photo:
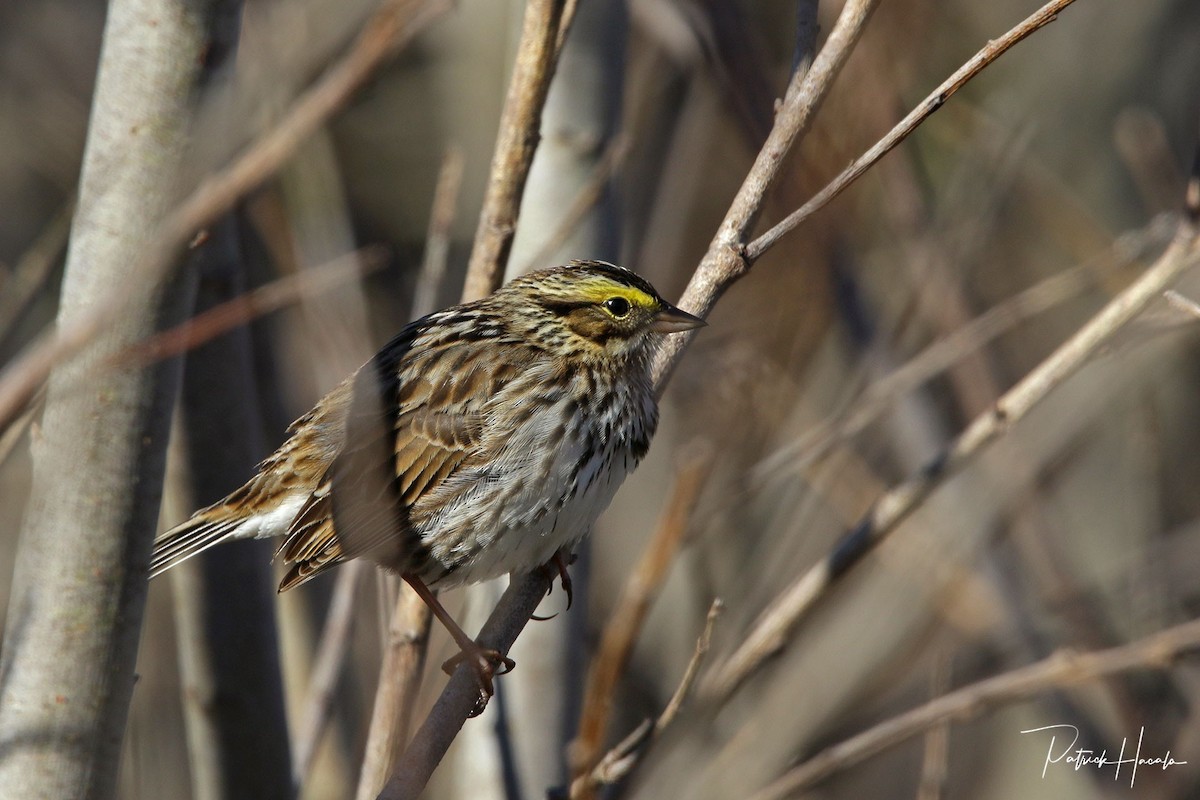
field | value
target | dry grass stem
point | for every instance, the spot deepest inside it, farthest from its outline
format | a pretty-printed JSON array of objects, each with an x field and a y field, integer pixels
[
  {"x": 393, "y": 25},
  {"x": 1065, "y": 668}
]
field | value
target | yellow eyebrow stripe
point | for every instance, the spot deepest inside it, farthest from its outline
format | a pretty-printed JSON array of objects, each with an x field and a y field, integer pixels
[{"x": 597, "y": 291}]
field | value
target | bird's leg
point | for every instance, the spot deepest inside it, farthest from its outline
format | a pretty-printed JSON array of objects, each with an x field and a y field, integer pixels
[
  {"x": 484, "y": 660},
  {"x": 558, "y": 563}
]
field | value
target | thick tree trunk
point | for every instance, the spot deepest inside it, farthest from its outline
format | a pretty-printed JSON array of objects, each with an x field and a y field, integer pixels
[{"x": 79, "y": 583}]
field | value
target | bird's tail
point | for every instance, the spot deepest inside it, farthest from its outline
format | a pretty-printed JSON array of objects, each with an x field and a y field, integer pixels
[{"x": 186, "y": 540}]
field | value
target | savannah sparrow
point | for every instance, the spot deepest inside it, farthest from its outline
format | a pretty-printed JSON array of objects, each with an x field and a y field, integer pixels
[{"x": 483, "y": 439}]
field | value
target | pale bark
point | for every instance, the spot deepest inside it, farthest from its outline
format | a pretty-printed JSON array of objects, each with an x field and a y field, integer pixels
[{"x": 79, "y": 583}]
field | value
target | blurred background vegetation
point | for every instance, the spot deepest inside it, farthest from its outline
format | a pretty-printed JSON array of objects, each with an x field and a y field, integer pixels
[{"x": 1080, "y": 530}]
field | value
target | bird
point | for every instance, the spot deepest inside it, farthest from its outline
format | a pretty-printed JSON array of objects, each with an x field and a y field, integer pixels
[{"x": 482, "y": 440}]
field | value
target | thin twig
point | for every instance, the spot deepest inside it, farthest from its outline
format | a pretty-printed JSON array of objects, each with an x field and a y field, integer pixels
[
  {"x": 629, "y": 614},
  {"x": 11, "y": 436},
  {"x": 725, "y": 261},
  {"x": 391, "y": 27},
  {"x": 769, "y": 633},
  {"x": 617, "y": 762},
  {"x": 1064, "y": 668},
  {"x": 992, "y": 51},
  {"x": 820, "y": 439},
  {"x": 1185, "y": 304},
  {"x": 703, "y": 644},
  {"x": 269, "y": 297},
  {"x": 520, "y": 126},
  {"x": 935, "y": 763}
]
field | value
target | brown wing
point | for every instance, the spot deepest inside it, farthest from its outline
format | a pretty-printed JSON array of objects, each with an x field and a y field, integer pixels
[{"x": 403, "y": 440}]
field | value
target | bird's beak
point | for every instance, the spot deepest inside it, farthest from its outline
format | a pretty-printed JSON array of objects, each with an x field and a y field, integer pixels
[{"x": 672, "y": 320}]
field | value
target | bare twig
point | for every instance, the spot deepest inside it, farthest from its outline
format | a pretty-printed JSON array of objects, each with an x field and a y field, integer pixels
[
  {"x": 11, "y": 435},
  {"x": 247, "y": 307},
  {"x": 516, "y": 143},
  {"x": 1065, "y": 668},
  {"x": 629, "y": 614},
  {"x": 935, "y": 763},
  {"x": 393, "y": 25},
  {"x": 1185, "y": 304},
  {"x": 992, "y": 51},
  {"x": 770, "y": 631},
  {"x": 725, "y": 261},
  {"x": 693, "y": 668},
  {"x": 618, "y": 761}
]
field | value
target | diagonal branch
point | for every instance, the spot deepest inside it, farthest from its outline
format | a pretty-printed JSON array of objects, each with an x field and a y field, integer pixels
[{"x": 725, "y": 260}]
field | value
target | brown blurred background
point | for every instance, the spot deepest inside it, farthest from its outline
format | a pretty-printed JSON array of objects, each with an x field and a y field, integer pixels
[{"x": 1079, "y": 530}]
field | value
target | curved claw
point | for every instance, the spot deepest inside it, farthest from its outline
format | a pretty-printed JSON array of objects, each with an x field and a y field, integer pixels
[
  {"x": 487, "y": 664},
  {"x": 560, "y": 561}
]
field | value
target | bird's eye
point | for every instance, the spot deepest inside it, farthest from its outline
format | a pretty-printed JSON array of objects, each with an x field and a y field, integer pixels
[{"x": 617, "y": 306}]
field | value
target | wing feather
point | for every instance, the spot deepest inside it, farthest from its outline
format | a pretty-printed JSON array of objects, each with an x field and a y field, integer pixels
[{"x": 404, "y": 439}]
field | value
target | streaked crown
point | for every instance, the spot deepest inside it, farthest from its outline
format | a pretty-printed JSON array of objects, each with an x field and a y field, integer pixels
[{"x": 602, "y": 305}]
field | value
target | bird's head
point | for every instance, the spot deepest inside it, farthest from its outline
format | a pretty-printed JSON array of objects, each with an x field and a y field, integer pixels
[{"x": 595, "y": 306}]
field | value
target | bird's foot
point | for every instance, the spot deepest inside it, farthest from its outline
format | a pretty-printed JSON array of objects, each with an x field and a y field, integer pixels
[{"x": 487, "y": 663}]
